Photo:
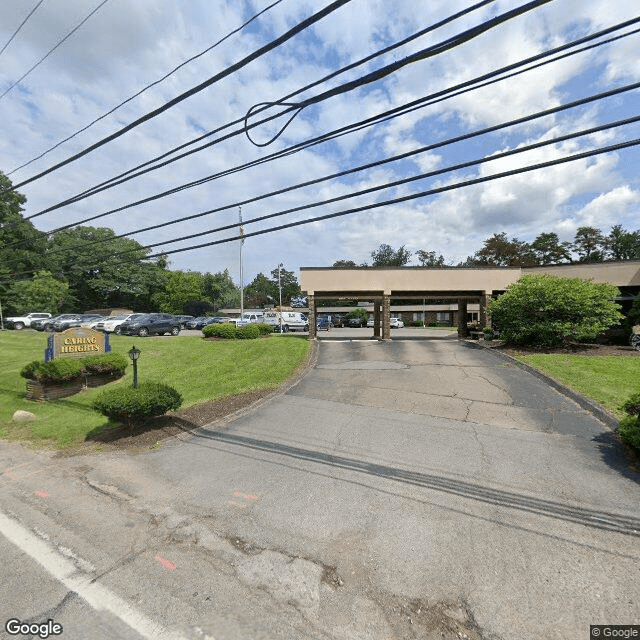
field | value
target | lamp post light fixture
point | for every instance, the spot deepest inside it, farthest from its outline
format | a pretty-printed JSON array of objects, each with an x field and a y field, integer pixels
[{"x": 134, "y": 354}]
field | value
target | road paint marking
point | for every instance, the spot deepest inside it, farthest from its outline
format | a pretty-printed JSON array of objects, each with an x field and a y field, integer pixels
[
  {"x": 66, "y": 572},
  {"x": 248, "y": 496},
  {"x": 167, "y": 564},
  {"x": 42, "y": 494}
]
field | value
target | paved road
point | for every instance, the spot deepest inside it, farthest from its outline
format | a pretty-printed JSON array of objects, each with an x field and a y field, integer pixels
[{"x": 404, "y": 489}]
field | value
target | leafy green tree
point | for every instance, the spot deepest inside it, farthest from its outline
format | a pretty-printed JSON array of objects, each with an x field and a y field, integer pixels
[
  {"x": 344, "y": 264},
  {"x": 549, "y": 310},
  {"x": 359, "y": 313},
  {"x": 22, "y": 245},
  {"x": 288, "y": 283},
  {"x": 219, "y": 289},
  {"x": 386, "y": 256},
  {"x": 104, "y": 271},
  {"x": 181, "y": 289},
  {"x": 261, "y": 292},
  {"x": 589, "y": 244},
  {"x": 547, "y": 249},
  {"x": 621, "y": 244},
  {"x": 41, "y": 293},
  {"x": 430, "y": 258},
  {"x": 499, "y": 251}
]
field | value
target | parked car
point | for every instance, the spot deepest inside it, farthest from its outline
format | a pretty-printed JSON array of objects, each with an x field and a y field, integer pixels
[
  {"x": 396, "y": 323},
  {"x": 323, "y": 324},
  {"x": 183, "y": 320},
  {"x": 59, "y": 322},
  {"x": 356, "y": 322},
  {"x": 202, "y": 321},
  {"x": 370, "y": 322},
  {"x": 76, "y": 320},
  {"x": 338, "y": 320},
  {"x": 111, "y": 324},
  {"x": 25, "y": 321},
  {"x": 39, "y": 324},
  {"x": 150, "y": 324}
]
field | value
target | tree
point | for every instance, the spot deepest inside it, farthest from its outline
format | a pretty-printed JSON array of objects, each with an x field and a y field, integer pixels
[
  {"x": 387, "y": 256},
  {"x": 288, "y": 283},
  {"x": 22, "y": 244},
  {"x": 261, "y": 292},
  {"x": 589, "y": 244},
  {"x": 547, "y": 249},
  {"x": 499, "y": 251},
  {"x": 219, "y": 289},
  {"x": 550, "y": 310},
  {"x": 344, "y": 264},
  {"x": 430, "y": 259},
  {"x": 104, "y": 271},
  {"x": 621, "y": 244},
  {"x": 182, "y": 288},
  {"x": 42, "y": 292}
]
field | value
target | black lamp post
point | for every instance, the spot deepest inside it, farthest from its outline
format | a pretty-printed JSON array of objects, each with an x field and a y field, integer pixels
[{"x": 134, "y": 354}]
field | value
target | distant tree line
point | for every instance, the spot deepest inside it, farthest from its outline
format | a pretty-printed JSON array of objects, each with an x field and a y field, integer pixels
[
  {"x": 85, "y": 267},
  {"x": 589, "y": 245}
]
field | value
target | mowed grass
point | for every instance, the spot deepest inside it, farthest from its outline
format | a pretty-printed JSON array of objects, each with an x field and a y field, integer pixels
[
  {"x": 201, "y": 370},
  {"x": 609, "y": 380}
]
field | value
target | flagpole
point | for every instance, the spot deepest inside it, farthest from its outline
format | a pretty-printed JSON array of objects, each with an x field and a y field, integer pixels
[{"x": 241, "y": 279}]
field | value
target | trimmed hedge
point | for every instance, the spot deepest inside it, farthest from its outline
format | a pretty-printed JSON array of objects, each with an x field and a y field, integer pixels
[
  {"x": 62, "y": 370},
  {"x": 629, "y": 427},
  {"x": 248, "y": 332},
  {"x": 264, "y": 328},
  {"x": 105, "y": 364},
  {"x": 220, "y": 330},
  {"x": 126, "y": 404}
]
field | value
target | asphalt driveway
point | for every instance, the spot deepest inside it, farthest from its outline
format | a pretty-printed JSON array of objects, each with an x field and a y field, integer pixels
[{"x": 404, "y": 489}]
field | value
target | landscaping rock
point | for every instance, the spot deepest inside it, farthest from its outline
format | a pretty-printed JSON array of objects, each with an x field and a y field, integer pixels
[{"x": 23, "y": 416}]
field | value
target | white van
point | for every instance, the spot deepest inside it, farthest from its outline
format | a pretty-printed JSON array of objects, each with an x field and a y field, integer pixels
[{"x": 288, "y": 320}]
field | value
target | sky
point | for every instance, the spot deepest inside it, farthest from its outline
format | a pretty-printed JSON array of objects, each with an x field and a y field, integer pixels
[{"x": 128, "y": 44}]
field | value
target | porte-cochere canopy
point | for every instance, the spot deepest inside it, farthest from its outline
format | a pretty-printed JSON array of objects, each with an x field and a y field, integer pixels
[{"x": 465, "y": 285}]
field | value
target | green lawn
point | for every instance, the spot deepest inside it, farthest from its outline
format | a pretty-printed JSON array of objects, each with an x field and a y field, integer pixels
[
  {"x": 609, "y": 380},
  {"x": 199, "y": 369}
]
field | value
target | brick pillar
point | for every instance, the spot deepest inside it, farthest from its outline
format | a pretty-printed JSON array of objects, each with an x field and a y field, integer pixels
[
  {"x": 313, "y": 334},
  {"x": 462, "y": 319},
  {"x": 376, "y": 318},
  {"x": 386, "y": 317},
  {"x": 485, "y": 320}
]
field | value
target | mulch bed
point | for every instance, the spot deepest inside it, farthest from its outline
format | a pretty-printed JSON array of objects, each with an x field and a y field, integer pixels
[
  {"x": 150, "y": 433},
  {"x": 575, "y": 349}
]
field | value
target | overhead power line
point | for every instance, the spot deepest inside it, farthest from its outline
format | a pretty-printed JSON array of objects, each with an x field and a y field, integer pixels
[
  {"x": 147, "y": 87},
  {"x": 446, "y": 45},
  {"x": 428, "y": 100},
  {"x": 15, "y": 33},
  {"x": 46, "y": 55},
  {"x": 305, "y": 24},
  {"x": 403, "y": 156}
]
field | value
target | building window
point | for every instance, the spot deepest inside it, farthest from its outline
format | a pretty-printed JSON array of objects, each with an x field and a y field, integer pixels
[{"x": 442, "y": 316}]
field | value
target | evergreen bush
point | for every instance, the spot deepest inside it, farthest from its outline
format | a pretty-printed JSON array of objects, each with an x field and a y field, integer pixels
[
  {"x": 58, "y": 371},
  {"x": 248, "y": 332},
  {"x": 220, "y": 330},
  {"x": 265, "y": 328},
  {"x": 629, "y": 427},
  {"x": 126, "y": 404},
  {"x": 113, "y": 364}
]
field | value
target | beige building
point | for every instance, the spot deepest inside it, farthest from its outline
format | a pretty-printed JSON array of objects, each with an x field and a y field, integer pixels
[{"x": 457, "y": 291}]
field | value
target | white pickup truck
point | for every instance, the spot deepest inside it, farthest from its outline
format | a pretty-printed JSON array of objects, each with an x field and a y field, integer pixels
[
  {"x": 22, "y": 322},
  {"x": 247, "y": 318}
]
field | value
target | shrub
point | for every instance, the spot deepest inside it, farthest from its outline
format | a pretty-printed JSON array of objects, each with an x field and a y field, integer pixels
[
  {"x": 264, "y": 328},
  {"x": 550, "y": 310},
  {"x": 249, "y": 331},
  {"x": 113, "y": 364},
  {"x": 126, "y": 404},
  {"x": 58, "y": 371},
  {"x": 629, "y": 431},
  {"x": 220, "y": 330},
  {"x": 632, "y": 405}
]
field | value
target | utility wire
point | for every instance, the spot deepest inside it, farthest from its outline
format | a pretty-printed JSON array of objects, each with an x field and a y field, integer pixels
[
  {"x": 428, "y": 100},
  {"x": 187, "y": 94},
  {"x": 46, "y": 55},
  {"x": 98, "y": 188},
  {"x": 149, "y": 86},
  {"x": 349, "y": 86},
  {"x": 15, "y": 33},
  {"x": 414, "y": 196},
  {"x": 371, "y": 165},
  {"x": 389, "y": 185}
]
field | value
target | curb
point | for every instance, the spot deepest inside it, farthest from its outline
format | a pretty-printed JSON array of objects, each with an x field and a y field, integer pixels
[{"x": 596, "y": 410}]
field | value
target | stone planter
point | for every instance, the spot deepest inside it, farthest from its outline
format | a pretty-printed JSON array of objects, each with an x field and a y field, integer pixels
[{"x": 44, "y": 392}]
